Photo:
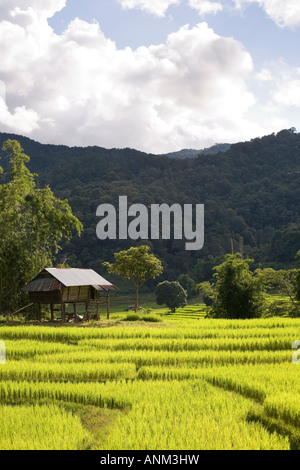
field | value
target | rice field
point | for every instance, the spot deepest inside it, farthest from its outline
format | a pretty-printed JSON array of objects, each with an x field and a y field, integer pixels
[{"x": 187, "y": 383}]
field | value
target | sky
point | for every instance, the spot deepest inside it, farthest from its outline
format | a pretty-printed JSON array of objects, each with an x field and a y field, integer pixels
[{"x": 154, "y": 75}]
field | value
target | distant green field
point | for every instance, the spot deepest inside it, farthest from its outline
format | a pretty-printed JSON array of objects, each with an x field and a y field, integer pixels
[
  {"x": 119, "y": 306},
  {"x": 186, "y": 382}
]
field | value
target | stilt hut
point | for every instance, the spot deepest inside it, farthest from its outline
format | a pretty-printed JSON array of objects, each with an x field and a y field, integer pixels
[{"x": 57, "y": 286}]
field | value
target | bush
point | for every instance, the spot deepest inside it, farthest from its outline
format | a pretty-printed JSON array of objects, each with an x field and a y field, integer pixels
[
  {"x": 172, "y": 294},
  {"x": 132, "y": 317},
  {"x": 149, "y": 318},
  {"x": 279, "y": 308},
  {"x": 152, "y": 318}
]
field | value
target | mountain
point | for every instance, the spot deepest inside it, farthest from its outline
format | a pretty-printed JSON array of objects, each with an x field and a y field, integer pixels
[
  {"x": 251, "y": 194},
  {"x": 191, "y": 153}
]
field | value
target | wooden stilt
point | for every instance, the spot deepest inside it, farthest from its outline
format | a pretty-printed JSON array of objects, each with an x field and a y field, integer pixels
[
  {"x": 63, "y": 311},
  {"x": 39, "y": 312},
  {"x": 87, "y": 310},
  {"x": 75, "y": 312},
  {"x": 98, "y": 311},
  {"x": 108, "y": 306},
  {"x": 52, "y": 312}
]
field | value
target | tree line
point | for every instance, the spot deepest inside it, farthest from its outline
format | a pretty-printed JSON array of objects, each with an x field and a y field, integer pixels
[
  {"x": 238, "y": 292},
  {"x": 36, "y": 225},
  {"x": 250, "y": 192}
]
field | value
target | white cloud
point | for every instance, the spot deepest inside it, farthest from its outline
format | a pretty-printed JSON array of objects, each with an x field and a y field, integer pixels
[
  {"x": 20, "y": 10},
  {"x": 79, "y": 89},
  {"x": 285, "y": 13},
  {"x": 206, "y": 7},
  {"x": 21, "y": 119},
  {"x": 279, "y": 91},
  {"x": 264, "y": 75},
  {"x": 155, "y": 7},
  {"x": 288, "y": 93},
  {"x": 286, "y": 88}
]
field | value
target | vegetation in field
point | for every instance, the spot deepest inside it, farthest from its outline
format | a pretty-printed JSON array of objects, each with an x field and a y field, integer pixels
[
  {"x": 188, "y": 383},
  {"x": 31, "y": 428},
  {"x": 240, "y": 293}
]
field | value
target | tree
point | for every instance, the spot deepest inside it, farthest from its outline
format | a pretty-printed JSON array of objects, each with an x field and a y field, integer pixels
[
  {"x": 238, "y": 292},
  {"x": 297, "y": 280},
  {"x": 32, "y": 224},
  {"x": 188, "y": 284},
  {"x": 286, "y": 281},
  {"x": 172, "y": 294},
  {"x": 136, "y": 265},
  {"x": 208, "y": 292}
]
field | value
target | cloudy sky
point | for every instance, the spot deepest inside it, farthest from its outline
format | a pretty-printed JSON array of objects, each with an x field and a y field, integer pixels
[{"x": 155, "y": 75}]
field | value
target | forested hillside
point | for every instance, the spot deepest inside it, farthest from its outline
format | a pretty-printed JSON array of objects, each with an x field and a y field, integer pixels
[{"x": 251, "y": 195}]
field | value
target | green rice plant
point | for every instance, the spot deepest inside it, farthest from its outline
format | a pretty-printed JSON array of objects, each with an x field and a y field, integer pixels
[
  {"x": 181, "y": 384},
  {"x": 62, "y": 372},
  {"x": 24, "y": 349},
  {"x": 191, "y": 329},
  {"x": 189, "y": 415},
  {"x": 284, "y": 406},
  {"x": 110, "y": 394},
  {"x": 187, "y": 344},
  {"x": 140, "y": 358},
  {"x": 46, "y": 427},
  {"x": 256, "y": 381}
]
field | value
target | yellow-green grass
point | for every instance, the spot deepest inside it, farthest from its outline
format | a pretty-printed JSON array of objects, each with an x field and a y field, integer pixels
[
  {"x": 31, "y": 428},
  {"x": 186, "y": 383}
]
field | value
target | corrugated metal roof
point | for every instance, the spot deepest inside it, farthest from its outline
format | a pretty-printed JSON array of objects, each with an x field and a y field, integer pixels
[
  {"x": 79, "y": 277},
  {"x": 42, "y": 285},
  {"x": 51, "y": 279}
]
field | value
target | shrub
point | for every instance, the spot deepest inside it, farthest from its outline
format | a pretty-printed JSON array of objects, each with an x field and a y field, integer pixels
[
  {"x": 147, "y": 317},
  {"x": 172, "y": 294}
]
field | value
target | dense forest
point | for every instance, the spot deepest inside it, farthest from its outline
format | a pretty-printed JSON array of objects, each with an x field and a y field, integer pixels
[{"x": 251, "y": 194}]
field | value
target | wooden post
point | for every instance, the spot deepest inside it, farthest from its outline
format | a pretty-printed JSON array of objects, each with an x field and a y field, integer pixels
[
  {"x": 108, "y": 305},
  {"x": 98, "y": 311},
  {"x": 52, "y": 312},
  {"x": 39, "y": 312},
  {"x": 75, "y": 312},
  {"x": 63, "y": 311},
  {"x": 87, "y": 310}
]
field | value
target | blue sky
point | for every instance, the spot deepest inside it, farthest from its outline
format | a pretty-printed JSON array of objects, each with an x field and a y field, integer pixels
[
  {"x": 156, "y": 75},
  {"x": 253, "y": 27}
]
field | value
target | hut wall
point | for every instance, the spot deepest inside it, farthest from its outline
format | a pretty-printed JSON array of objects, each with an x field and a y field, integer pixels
[
  {"x": 53, "y": 297},
  {"x": 76, "y": 294}
]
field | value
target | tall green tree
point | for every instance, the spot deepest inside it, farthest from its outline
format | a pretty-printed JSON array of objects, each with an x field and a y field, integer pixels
[
  {"x": 32, "y": 225},
  {"x": 286, "y": 281},
  {"x": 136, "y": 265},
  {"x": 237, "y": 292},
  {"x": 188, "y": 284}
]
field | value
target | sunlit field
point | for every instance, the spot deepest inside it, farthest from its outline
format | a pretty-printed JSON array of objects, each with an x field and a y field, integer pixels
[{"x": 185, "y": 382}]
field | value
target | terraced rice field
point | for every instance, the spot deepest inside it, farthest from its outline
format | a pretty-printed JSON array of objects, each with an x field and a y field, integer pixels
[{"x": 187, "y": 383}]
